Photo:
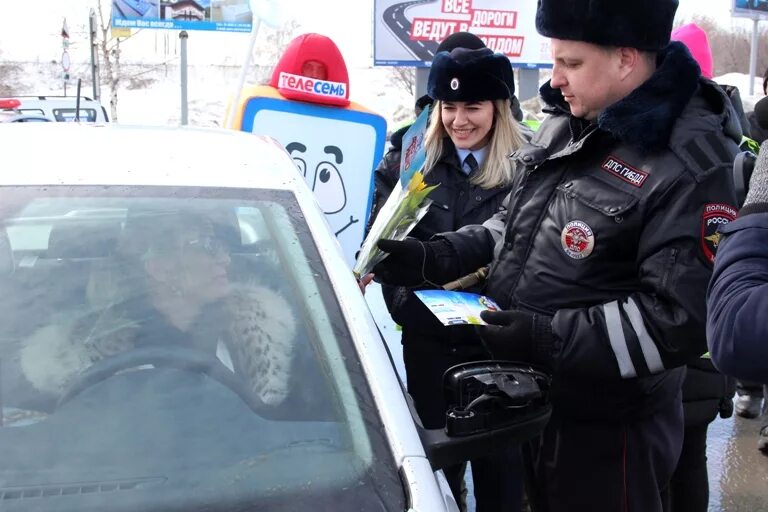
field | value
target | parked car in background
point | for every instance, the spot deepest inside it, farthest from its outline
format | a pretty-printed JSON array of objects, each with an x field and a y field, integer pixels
[
  {"x": 9, "y": 113},
  {"x": 117, "y": 396},
  {"x": 63, "y": 108}
]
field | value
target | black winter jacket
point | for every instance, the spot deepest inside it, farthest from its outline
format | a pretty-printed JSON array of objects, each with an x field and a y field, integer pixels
[
  {"x": 706, "y": 391},
  {"x": 756, "y": 132},
  {"x": 610, "y": 230},
  {"x": 456, "y": 203}
]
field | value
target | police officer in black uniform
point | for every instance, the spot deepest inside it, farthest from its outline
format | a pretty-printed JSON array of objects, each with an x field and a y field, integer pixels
[
  {"x": 602, "y": 254},
  {"x": 471, "y": 130}
]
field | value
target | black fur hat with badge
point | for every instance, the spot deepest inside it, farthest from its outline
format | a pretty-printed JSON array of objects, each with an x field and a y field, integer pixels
[
  {"x": 460, "y": 40},
  {"x": 470, "y": 75},
  {"x": 642, "y": 24}
]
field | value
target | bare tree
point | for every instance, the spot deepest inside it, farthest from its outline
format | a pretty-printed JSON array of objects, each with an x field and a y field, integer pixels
[
  {"x": 9, "y": 74},
  {"x": 404, "y": 79},
  {"x": 109, "y": 48},
  {"x": 731, "y": 46},
  {"x": 266, "y": 55}
]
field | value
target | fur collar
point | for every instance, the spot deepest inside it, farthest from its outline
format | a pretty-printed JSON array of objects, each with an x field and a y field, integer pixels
[
  {"x": 260, "y": 338},
  {"x": 645, "y": 118}
]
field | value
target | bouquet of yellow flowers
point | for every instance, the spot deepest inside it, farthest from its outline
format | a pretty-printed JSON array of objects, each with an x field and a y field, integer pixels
[{"x": 406, "y": 205}]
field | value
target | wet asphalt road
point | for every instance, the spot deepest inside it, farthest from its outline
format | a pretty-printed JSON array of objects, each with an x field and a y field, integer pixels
[{"x": 738, "y": 471}]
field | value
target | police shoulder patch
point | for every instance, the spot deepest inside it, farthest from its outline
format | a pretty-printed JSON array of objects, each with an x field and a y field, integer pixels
[{"x": 714, "y": 216}]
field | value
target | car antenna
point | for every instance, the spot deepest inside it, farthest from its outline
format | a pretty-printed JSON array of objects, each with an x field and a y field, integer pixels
[{"x": 77, "y": 102}]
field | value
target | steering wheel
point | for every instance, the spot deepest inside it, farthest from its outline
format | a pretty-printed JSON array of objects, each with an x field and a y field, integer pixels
[{"x": 178, "y": 357}]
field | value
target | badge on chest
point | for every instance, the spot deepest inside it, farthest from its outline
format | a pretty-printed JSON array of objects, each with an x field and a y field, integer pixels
[{"x": 577, "y": 239}]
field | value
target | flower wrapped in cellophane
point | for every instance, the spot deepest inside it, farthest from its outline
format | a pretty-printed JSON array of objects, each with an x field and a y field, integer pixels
[{"x": 407, "y": 203}]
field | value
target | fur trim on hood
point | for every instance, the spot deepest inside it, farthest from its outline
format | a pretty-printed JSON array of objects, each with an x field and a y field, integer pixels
[{"x": 646, "y": 117}]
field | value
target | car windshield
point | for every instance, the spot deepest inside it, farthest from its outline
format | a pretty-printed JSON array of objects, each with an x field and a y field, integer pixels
[{"x": 178, "y": 349}]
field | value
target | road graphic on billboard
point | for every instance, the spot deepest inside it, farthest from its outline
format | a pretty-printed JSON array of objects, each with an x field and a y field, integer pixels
[{"x": 408, "y": 33}]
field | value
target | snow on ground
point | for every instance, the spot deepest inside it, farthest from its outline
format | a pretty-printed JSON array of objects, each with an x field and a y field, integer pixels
[{"x": 209, "y": 88}]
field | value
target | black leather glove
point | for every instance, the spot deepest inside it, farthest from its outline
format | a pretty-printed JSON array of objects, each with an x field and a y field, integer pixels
[
  {"x": 519, "y": 336},
  {"x": 415, "y": 263}
]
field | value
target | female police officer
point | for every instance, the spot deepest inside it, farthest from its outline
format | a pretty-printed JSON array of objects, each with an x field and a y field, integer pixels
[{"x": 470, "y": 134}]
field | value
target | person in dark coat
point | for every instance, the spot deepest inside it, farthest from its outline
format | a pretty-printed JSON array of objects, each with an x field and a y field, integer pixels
[
  {"x": 707, "y": 393},
  {"x": 603, "y": 251},
  {"x": 738, "y": 295},
  {"x": 757, "y": 132},
  {"x": 737, "y": 300},
  {"x": 471, "y": 132},
  {"x": 750, "y": 394},
  {"x": 387, "y": 173}
]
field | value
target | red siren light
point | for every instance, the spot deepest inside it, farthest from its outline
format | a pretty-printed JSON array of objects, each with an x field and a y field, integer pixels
[{"x": 9, "y": 103}]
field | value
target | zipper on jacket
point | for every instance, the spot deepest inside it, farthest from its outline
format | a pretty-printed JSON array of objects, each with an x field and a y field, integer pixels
[{"x": 668, "y": 267}]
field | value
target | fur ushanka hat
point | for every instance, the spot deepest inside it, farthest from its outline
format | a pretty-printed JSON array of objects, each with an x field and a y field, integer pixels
[
  {"x": 460, "y": 40},
  {"x": 642, "y": 24},
  {"x": 470, "y": 75}
]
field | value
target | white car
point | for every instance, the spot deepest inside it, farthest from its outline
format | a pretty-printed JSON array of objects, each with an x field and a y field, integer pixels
[
  {"x": 9, "y": 113},
  {"x": 62, "y": 108},
  {"x": 179, "y": 332}
]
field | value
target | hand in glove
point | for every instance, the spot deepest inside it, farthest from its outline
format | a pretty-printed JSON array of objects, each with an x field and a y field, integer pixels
[
  {"x": 413, "y": 262},
  {"x": 518, "y": 336}
]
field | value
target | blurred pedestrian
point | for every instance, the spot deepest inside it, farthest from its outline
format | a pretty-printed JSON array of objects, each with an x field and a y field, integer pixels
[
  {"x": 758, "y": 132},
  {"x": 749, "y": 399}
]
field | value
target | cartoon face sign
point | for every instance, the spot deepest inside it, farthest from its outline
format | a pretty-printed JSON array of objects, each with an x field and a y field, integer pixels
[
  {"x": 325, "y": 179},
  {"x": 336, "y": 150}
]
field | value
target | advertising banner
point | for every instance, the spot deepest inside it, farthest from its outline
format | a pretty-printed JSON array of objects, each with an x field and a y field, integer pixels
[
  {"x": 216, "y": 15},
  {"x": 408, "y": 33},
  {"x": 750, "y": 9}
]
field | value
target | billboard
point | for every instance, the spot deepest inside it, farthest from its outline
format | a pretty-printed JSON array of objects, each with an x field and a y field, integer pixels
[
  {"x": 408, "y": 33},
  {"x": 750, "y": 8},
  {"x": 217, "y": 15}
]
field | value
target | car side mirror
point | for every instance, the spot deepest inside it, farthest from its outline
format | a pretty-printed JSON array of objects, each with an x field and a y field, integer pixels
[{"x": 492, "y": 403}]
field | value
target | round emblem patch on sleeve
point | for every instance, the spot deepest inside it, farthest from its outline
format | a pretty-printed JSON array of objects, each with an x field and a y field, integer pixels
[
  {"x": 714, "y": 216},
  {"x": 577, "y": 239}
]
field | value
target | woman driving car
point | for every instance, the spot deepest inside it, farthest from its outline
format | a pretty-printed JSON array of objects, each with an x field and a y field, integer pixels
[{"x": 171, "y": 288}]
